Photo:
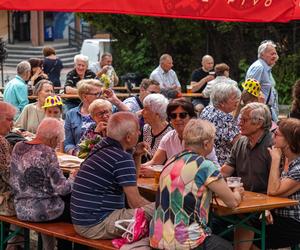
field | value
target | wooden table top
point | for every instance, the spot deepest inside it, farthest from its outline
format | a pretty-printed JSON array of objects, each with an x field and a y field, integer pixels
[{"x": 252, "y": 202}]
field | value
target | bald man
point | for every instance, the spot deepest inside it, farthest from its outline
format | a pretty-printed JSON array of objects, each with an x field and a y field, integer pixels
[{"x": 200, "y": 77}]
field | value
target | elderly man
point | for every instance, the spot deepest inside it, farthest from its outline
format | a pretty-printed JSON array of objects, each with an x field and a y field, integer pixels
[
  {"x": 79, "y": 72},
  {"x": 107, "y": 175},
  {"x": 164, "y": 74},
  {"x": 250, "y": 158},
  {"x": 104, "y": 66},
  {"x": 260, "y": 70},
  {"x": 135, "y": 103},
  {"x": 200, "y": 77},
  {"x": 16, "y": 91}
]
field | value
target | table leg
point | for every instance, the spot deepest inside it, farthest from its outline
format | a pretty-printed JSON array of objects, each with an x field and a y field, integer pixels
[{"x": 263, "y": 230}]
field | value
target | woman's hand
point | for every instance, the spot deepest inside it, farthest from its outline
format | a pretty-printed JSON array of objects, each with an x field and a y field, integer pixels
[
  {"x": 275, "y": 153},
  {"x": 101, "y": 128}
]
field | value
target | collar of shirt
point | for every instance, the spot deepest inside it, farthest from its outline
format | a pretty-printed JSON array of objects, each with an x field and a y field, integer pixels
[
  {"x": 265, "y": 134},
  {"x": 20, "y": 78},
  {"x": 161, "y": 71},
  {"x": 265, "y": 65}
]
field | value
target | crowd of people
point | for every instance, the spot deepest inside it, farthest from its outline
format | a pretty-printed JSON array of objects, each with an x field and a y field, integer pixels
[{"x": 222, "y": 132}]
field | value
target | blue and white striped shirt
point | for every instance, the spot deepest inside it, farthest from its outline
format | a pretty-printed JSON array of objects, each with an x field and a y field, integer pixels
[{"x": 98, "y": 185}]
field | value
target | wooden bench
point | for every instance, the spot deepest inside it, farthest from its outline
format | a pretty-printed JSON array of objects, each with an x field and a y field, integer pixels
[{"x": 59, "y": 230}]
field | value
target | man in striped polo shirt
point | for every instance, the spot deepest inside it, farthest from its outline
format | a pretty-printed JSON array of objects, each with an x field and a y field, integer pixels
[{"x": 105, "y": 178}]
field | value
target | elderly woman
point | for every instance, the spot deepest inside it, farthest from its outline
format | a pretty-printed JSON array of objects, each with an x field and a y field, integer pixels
[
  {"x": 78, "y": 119},
  {"x": 36, "y": 178},
  {"x": 179, "y": 113},
  {"x": 285, "y": 228},
  {"x": 33, "y": 113},
  {"x": 77, "y": 74},
  {"x": 222, "y": 76},
  {"x": 155, "y": 117},
  {"x": 225, "y": 98},
  {"x": 100, "y": 111},
  {"x": 7, "y": 113},
  {"x": 192, "y": 179}
]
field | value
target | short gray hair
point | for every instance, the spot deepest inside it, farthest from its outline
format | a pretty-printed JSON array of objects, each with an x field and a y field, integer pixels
[
  {"x": 197, "y": 131},
  {"x": 263, "y": 47},
  {"x": 120, "y": 124},
  {"x": 23, "y": 67},
  {"x": 50, "y": 128},
  {"x": 157, "y": 103},
  {"x": 221, "y": 93},
  {"x": 6, "y": 109},
  {"x": 99, "y": 103},
  {"x": 81, "y": 57},
  {"x": 39, "y": 86},
  {"x": 164, "y": 57},
  {"x": 259, "y": 112}
]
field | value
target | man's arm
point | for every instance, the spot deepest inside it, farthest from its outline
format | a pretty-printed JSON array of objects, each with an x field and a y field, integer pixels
[
  {"x": 134, "y": 198},
  {"x": 71, "y": 90},
  {"x": 198, "y": 85},
  {"x": 227, "y": 170}
]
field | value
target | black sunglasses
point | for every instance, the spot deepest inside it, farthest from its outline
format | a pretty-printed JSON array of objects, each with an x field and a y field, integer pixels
[{"x": 181, "y": 115}]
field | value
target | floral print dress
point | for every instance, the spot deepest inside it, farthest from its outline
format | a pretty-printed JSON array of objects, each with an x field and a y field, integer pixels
[
  {"x": 6, "y": 197},
  {"x": 37, "y": 182}
]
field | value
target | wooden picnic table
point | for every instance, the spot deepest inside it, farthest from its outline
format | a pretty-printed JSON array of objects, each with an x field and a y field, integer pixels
[{"x": 119, "y": 95}]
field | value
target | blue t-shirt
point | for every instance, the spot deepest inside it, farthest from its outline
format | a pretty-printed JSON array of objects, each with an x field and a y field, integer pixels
[{"x": 98, "y": 187}]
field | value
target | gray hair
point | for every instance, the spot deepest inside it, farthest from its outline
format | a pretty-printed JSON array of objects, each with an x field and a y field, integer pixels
[
  {"x": 39, "y": 86},
  {"x": 164, "y": 57},
  {"x": 157, "y": 103},
  {"x": 81, "y": 57},
  {"x": 263, "y": 47},
  {"x": 23, "y": 67},
  {"x": 85, "y": 85},
  {"x": 6, "y": 109},
  {"x": 259, "y": 112},
  {"x": 106, "y": 54},
  {"x": 120, "y": 124},
  {"x": 99, "y": 103},
  {"x": 197, "y": 131},
  {"x": 222, "y": 92},
  {"x": 50, "y": 128}
]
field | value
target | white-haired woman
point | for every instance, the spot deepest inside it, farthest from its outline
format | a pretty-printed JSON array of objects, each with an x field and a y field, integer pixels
[
  {"x": 36, "y": 178},
  {"x": 77, "y": 74},
  {"x": 225, "y": 98},
  {"x": 100, "y": 111},
  {"x": 155, "y": 116},
  {"x": 192, "y": 179},
  {"x": 33, "y": 113}
]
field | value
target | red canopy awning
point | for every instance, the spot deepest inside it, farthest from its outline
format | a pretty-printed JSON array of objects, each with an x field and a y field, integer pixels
[{"x": 223, "y": 10}]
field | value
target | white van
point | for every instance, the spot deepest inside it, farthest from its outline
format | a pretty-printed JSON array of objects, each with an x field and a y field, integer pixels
[{"x": 94, "y": 48}]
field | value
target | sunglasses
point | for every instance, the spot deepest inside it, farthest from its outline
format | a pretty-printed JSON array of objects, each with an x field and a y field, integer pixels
[{"x": 181, "y": 115}]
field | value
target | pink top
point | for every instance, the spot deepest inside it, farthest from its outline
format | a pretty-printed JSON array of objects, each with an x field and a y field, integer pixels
[{"x": 172, "y": 145}]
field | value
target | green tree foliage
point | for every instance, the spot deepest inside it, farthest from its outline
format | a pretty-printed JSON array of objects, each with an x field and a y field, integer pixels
[{"x": 141, "y": 41}]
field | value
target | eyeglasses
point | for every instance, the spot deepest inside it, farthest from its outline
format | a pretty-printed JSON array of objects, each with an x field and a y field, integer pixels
[
  {"x": 103, "y": 113},
  {"x": 95, "y": 94},
  {"x": 181, "y": 115}
]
